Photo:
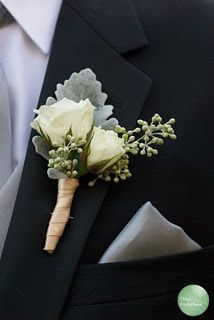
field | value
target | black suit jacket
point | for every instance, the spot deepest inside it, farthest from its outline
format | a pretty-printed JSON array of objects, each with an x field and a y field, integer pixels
[{"x": 151, "y": 56}]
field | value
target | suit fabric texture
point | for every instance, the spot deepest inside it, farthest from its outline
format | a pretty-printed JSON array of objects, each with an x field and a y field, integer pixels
[{"x": 150, "y": 57}]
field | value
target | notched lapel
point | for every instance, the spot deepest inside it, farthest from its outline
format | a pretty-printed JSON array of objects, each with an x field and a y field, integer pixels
[
  {"x": 116, "y": 21},
  {"x": 29, "y": 277}
]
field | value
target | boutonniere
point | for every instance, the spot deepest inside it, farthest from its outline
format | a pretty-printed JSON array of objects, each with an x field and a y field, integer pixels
[{"x": 78, "y": 136}]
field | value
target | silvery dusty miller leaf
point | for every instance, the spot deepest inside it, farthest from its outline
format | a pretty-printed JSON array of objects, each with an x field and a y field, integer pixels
[
  {"x": 42, "y": 146},
  {"x": 102, "y": 114},
  {"x": 109, "y": 124},
  {"x": 56, "y": 174},
  {"x": 50, "y": 101},
  {"x": 81, "y": 86}
]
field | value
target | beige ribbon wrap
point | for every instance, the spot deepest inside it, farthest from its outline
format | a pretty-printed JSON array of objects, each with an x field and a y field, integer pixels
[{"x": 61, "y": 213}]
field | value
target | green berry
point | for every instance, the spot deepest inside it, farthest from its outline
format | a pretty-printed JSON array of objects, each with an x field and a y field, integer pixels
[
  {"x": 140, "y": 122},
  {"x": 173, "y": 136},
  {"x": 91, "y": 183},
  {"x": 132, "y": 138},
  {"x": 75, "y": 162},
  {"x": 74, "y": 173},
  {"x": 59, "y": 150},
  {"x": 134, "y": 152},
  {"x": 165, "y": 134},
  {"x": 69, "y": 137},
  {"x": 160, "y": 141},
  {"x": 155, "y": 151},
  {"x": 172, "y": 121},
  {"x": 125, "y": 137},
  {"x": 143, "y": 152},
  {"x": 52, "y": 153}
]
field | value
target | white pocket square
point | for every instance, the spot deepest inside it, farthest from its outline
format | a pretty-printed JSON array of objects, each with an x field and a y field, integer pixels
[{"x": 148, "y": 234}]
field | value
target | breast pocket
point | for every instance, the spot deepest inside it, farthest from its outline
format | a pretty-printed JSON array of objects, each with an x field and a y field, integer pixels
[{"x": 142, "y": 289}]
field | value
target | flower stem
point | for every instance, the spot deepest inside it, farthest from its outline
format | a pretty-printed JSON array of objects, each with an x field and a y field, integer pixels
[{"x": 61, "y": 213}]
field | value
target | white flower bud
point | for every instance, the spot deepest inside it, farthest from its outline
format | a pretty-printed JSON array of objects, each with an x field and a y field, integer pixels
[{"x": 106, "y": 148}]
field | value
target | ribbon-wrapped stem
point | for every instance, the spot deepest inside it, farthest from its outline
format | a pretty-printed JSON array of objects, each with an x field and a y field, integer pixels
[{"x": 61, "y": 213}]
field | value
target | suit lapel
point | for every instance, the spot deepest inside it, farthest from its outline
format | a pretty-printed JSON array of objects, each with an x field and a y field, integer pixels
[{"x": 36, "y": 282}]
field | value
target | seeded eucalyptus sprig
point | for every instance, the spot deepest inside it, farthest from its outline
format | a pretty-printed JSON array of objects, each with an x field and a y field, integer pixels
[
  {"x": 66, "y": 158},
  {"x": 118, "y": 171},
  {"x": 145, "y": 136},
  {"x": 141, "y": 140}
]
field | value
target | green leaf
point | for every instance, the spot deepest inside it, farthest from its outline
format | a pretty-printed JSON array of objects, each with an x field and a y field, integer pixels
[
  {"x": 86, "y": 148},
  {"x": 98, "y": 167},
  {"x": 82, "y": 167}
]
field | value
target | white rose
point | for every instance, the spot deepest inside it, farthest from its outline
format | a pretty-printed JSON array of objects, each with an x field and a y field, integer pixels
[
  {"x": 106, "y": 148},
  {"x": 56, "y": 120}
]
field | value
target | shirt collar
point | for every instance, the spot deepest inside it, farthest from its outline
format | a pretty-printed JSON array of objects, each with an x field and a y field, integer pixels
[{"x": 37, "y": 18}]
